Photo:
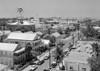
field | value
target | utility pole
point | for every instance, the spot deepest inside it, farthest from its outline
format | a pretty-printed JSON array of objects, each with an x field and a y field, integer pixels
[
  {"x": 50, "y": 57},
  {"x": 78, "y": 30},
  {"x": 73, "y": 38}
]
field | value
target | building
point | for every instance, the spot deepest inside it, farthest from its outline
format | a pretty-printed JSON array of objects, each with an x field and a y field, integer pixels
[
  {"x": 16, "y": 32},
  {"x": 23, "y": 38},
  {"x": 3, "y": 67},
  {"x": 29, "y": 32},
  {"x": 77, "y": 61},
  {"x": 6, "y": 53},
  {"x": 56, "y": 34}
]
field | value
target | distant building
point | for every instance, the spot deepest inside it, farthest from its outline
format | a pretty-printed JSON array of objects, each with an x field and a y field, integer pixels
[
  {"x": 56, "y": 34},
  {"x": 23, "y": 38},
  {"x": 77, "y": 61}
]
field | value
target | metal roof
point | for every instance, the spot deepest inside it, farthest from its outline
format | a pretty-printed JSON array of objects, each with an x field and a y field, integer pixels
[
  {"x": 22, "y": 36},
  {"x": 8, "y": 46},
  {"x": 78, "y": 57}
]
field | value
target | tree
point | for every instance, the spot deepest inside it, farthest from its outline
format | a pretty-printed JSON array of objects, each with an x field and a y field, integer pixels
[
  {"x": 67, "y": 31},
  {"x": 28, "y": 49},
  {"x": 89, "y": 32},
  {"x": 52, "y": 39},
  {"x": 94, "y": 61},
  {"x": 76, "y": 26},
  {"x": 60, "y": 31},
  {"x": 59, "y": 55},
  {"x": 96, "y": 48}
]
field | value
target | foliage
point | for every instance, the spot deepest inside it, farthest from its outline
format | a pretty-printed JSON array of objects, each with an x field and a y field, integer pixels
[
  {"x": 67, "y": 31},
  {"x": 77, "y": 26},
  {"x": 94, "y": 61},
  {"x": 52, "y": 39},
  {"x": 41, "y": 49},
  {"x": 28, "y": 47},
  {"x": 96, "y": 48},
  {"x": 89, "y": 31},
  {"x": 60, "y": 31},
  {"x": 58, "y": 55}
]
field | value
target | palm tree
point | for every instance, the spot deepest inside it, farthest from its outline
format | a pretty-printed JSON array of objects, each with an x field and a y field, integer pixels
[
  {"x": 94, "y": 61},
  {"x": 59, "y": 55},
  {"x": 96, "y": 48},
  {"x": 28, "y": 52}
]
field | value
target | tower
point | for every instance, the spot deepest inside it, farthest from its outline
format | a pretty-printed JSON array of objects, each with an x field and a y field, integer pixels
[{"x": 20, "y": 16}]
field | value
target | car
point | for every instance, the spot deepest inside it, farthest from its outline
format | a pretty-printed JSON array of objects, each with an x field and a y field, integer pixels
[
  {"x": 62, "y": 68},
  {"x": 36, "y": 62},
  {"x": 48, "y": 69},
  {"x": 34, "y": 67},
  {"x": 53, "y": 65},
  {"x": 40, "y": 62},
  {"x": 46, "y": 57}
]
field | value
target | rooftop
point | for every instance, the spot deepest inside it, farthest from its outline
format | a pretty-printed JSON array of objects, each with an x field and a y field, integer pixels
[
  {"x": 29, "y": 32},
  {"x": 2, "y": 67},
  {"x": 77, "y": 57},
  {"x": 22, "y": 36},
  {"x": 16, "y": 32},
  {"x": 56, "y": 34},
  {"x": 8, "y": 46}
]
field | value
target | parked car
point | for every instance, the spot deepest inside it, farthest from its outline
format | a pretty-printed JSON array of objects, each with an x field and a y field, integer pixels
[
  {"x": 62, "y": 68},
  {"x": 38, "y": 62},
  {"x": 46, "y": 57},
  {"x": 34, "y": 67},
  {"x": 48, "y": 69},
  {"x": 53, "y": 65}
]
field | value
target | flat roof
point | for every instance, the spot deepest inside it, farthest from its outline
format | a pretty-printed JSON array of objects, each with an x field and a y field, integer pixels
[
  {"x": 8, "y": 46},
  {"x": 78, "y": 57},
  {"x": 16, "y": 32},
  {"x": 22, "y": 36},
  {"x": 3, "y": 66}
]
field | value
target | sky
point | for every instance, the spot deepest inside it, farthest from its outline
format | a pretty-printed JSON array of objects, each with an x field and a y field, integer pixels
[{"x": 51, "y": 8}]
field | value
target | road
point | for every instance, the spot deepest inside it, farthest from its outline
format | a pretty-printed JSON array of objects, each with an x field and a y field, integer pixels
[{"x": 44, "y": 65}]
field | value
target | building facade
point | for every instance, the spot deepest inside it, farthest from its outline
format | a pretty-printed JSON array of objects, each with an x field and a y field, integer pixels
[
  {"x": 6, "y": 53},
  {"x": 23, "y": 38}
]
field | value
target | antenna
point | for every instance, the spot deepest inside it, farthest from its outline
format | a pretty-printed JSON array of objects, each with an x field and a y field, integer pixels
[
  {"x": 20, "y": 16},
  {"x": 19, "y": 11}
]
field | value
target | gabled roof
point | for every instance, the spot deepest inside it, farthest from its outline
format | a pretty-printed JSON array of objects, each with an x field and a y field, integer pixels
[
  {"x": 56, "y": 34},
  {"x": 7, "y": 32},
  {"x": 22, "y": 36},
  {"x": 8, "y": 46},
  {"x": 39, "y": 33}
]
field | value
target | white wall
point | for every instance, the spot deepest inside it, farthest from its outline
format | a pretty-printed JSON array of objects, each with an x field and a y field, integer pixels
[{"x": 76, "y": 66}]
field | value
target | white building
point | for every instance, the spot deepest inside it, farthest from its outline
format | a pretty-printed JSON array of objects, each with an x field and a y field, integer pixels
[
  {"x": 77, "y": 61},
  {"x": 6, "y": 53},
  {"x": 23, "y": 38}
]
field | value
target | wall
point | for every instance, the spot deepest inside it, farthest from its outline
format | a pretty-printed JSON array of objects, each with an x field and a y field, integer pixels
[
  {"x": 6, "y": 58},
  {"x": 76, "y": 66}
]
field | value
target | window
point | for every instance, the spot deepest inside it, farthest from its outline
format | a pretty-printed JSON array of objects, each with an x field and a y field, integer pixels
[
  {"x": 1, "y": 53},
  {"x": 16, "y": 42},
  {"x": 83, "y": 69},
  {"x": 71, "y": 68}
]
